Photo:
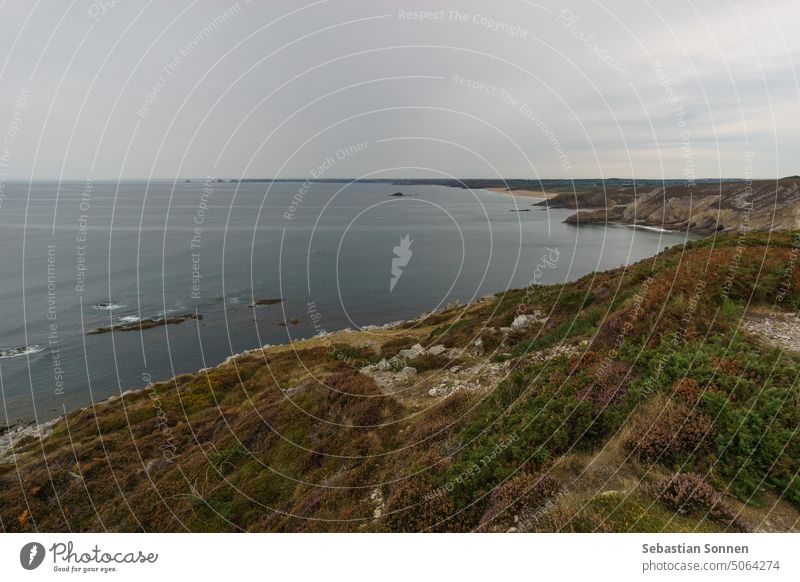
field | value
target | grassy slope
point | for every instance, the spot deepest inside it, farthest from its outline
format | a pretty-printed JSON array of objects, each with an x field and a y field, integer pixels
[{"x": 661, "y": 385}]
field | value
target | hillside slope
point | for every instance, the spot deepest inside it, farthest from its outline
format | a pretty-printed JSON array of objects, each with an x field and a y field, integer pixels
[
  {"x": 704, "y": 207},
  {"x": 630, "y": 400}
]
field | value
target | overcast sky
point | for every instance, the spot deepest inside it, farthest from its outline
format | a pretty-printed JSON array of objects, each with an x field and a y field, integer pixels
[{"x": 512, "y": 88}]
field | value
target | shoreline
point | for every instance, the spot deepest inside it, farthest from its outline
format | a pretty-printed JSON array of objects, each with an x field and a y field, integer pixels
[
  {"x": 587, "y": 216},
  {"x": 16, "y": 432},
  {"x": 22, "y": 427},
  {"x": 20, "y": 430},
  {"x": 573, "y": 219},
  {"x": 174, "y": 424},
  {"x": 522, "y": 193}
]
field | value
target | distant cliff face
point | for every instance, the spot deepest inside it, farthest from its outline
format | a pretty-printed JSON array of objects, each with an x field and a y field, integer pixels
[{"x": 704, "y": 207}]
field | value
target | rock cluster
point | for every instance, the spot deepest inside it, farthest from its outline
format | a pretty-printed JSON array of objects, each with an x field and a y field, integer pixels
[
  {"x": 409, "y": 355},
  {"x": 376, "y": 498},
  {"x": 523, "y": 323},
  {"x": 562, "y": 349},
  {"x": 14, "y": 436},
  {"x": 390, "y": 325},
  {"x": 396, "y": 372},
  {"x": 480, "y": 377},
  {"x": 778, "y": 329}
]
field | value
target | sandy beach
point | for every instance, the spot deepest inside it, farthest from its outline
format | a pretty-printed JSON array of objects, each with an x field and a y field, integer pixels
[{"x": 543, "y": 195}]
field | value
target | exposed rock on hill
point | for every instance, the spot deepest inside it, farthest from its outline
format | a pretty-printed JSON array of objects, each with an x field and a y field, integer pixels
[{"x": 704, "y": 207}]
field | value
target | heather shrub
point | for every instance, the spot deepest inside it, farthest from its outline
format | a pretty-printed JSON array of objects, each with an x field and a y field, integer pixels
[
  {"x": 606, "y": 382},
  {"x": 427, "y": 362},
  {"x": 689, "y": 493},
  {"x": 392, "y": 347},
  {"x": 670, "y": 435},
  {"x": 728, "y": 366},
  {"x": 512, "y": 387},
  {"x": 522, "y": 497},
  {"x": 442, "y": 419},
  {"x": 354, "y": 399},
  {"x": 283, "y": 367},
  {"x": 561, "y": 327},
  {"x": 427, "y": 319},
  {"x": 610, "y": 328},
  {"x": 349, "y": 386},
  {"x": 418, "y": 506},
  {"x": 459, "y": 333},
  {"x": 688, "y": 390},
  {"x": 533, "y": 431},
  {"x": 352, "y": 356}
]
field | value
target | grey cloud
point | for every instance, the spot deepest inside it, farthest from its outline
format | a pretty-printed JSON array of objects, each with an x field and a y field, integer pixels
[{"x": 135, "y": 91}]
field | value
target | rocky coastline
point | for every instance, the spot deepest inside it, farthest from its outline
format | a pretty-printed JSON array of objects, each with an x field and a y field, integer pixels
[
  {"x": 536, "y": 365},
  {"x": 702, "y": 207}
]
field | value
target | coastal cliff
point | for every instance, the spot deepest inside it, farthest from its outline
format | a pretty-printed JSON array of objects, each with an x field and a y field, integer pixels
[
  {"x": 646, "y": 398},
  {"x": 704, "y": 207}
]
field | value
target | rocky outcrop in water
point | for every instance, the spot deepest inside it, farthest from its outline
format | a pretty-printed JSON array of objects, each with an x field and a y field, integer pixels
[{"x": 146, "y": 323}]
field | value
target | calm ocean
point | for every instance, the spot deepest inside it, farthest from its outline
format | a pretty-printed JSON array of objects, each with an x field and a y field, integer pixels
[{"x": 79, "y": 256}]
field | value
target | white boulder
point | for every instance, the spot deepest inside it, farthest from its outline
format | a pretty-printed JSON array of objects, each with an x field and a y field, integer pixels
[
  {"x": 522, "y": 323},
  {"x": 408, "y": 354},
  {"x": 407, "y": 372},
  {"x": 455, "y": 353}
]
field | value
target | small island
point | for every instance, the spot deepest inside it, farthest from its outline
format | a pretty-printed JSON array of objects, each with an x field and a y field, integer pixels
[
  {"x": 146, "y": 323},
  {"x": 262, "y": 302},
  {"x": 18, "y": 351}
]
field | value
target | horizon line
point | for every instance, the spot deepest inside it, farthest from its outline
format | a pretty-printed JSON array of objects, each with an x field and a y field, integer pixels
[{"x": 416, "y": 179}]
